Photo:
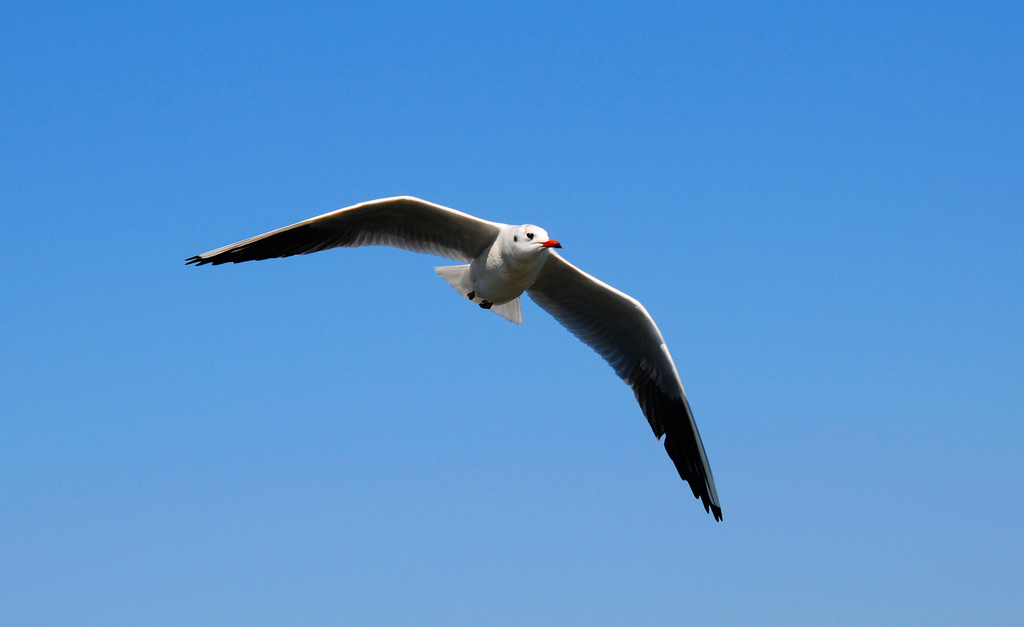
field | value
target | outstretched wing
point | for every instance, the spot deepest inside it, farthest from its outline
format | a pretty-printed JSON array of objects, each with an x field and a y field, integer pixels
[
  {"x": 619, "y": 328},
  {"x": 403, "y": 222}
]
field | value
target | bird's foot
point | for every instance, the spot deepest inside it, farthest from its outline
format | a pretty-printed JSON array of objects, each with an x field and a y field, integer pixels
[
  {"x": 486, "y": 304},
  {"x": 471, "y": 295}
]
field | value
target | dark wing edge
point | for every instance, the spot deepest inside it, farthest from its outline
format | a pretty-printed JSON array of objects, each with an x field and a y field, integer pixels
[
  {"x": 403, "y": 222},
  {"x": 619, "y": 329}
]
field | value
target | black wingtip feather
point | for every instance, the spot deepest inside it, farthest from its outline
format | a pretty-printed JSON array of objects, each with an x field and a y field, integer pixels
[
  {"x": 670, "y": 416},
  {"x": 694, "y": 476}
]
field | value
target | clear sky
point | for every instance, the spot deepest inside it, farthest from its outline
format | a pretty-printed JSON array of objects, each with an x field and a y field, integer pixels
[{"x": 821, "y": 204}]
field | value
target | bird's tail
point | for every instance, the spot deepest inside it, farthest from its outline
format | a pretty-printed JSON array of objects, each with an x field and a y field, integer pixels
[
  {"x": 510, "y": 311},
  {"x": 458, "y": 278}
]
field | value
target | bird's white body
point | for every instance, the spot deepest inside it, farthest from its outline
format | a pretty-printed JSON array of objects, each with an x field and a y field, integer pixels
[
  {"x": 499, "y": 263},
  {"x": 499, "y": 275},
  {"x": 506, "y": 270}
]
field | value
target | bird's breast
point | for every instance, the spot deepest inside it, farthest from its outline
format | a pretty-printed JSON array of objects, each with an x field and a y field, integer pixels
[{"x": 499, "y": 279}]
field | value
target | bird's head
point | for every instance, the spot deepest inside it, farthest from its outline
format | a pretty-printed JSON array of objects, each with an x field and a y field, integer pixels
[{"x": 529, "y": 240}]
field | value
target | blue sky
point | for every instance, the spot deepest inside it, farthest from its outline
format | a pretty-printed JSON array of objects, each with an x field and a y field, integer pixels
[{"x": 821, "y": 204}]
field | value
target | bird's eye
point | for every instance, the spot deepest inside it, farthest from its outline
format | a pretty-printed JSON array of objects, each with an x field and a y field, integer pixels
[
  {"x": 515, "y": 238},
  {"x": 529, "y": 236}
]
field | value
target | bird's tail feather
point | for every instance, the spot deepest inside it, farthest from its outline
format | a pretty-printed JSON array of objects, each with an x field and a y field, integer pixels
[
  {"x": 510, "y": 311},
  {"x": 456, "y": 276}
]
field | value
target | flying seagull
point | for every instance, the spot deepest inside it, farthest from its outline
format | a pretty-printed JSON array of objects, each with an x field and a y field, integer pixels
[{"x": 499, "y": 263}]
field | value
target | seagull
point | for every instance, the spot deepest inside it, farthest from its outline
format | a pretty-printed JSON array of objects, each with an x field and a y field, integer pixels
[{"x": 499, "y": 263}]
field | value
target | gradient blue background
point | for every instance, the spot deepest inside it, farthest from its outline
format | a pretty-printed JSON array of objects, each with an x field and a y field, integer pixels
[{"x": 822, "y": 205}]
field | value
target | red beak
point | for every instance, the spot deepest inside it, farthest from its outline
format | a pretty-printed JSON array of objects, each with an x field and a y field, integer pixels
[{"x": 551, "y": 244}]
